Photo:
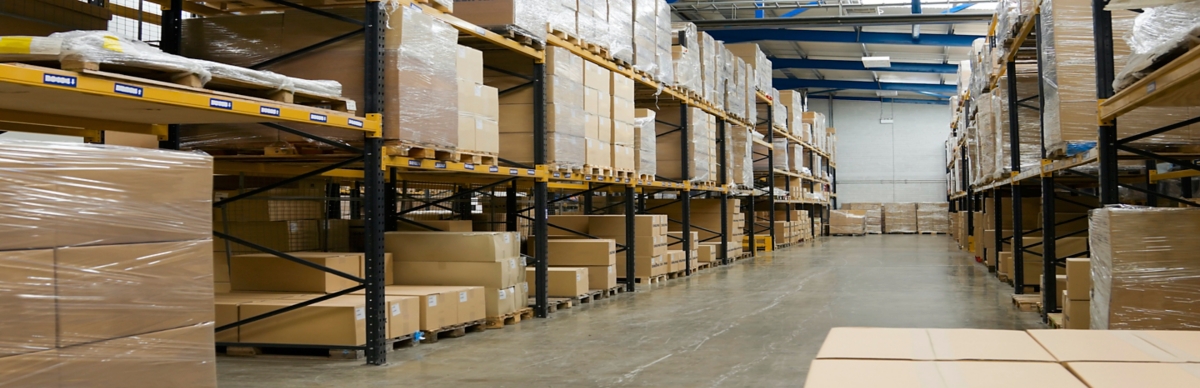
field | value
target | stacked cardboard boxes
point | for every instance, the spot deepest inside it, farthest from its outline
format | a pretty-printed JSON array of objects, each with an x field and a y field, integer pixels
[
  {"x": 705, "y": 213},
  {"x": 847, "y": 222},
  {"x": 933, "y": 217},
  {"x": 108, "y": 277},
  {"x": 598, "y": 257},
  {"x": 815, "y": 132},
  {"x": 794, "y": 103},
  {"x": 873, "y": 218},
  {"x": 645, "y": 144},
  {"x": 490, "y": 260},
  {"x": 650, "y": 238},
  {"x": 597, "y": 115},
  {"x": 741, "y": 155},
  {"x": 1076, "y": 296},
  {"x": 675, "y": 239},
  {"x": 567, "y": 107},
  {"x": 702, "y": 146},
  {"x": 663, "y": 38},
  {"x": 645, "y": 32},
  {"x": 760, "y": 66},
  {"x": 900, "y": 218},
  {"x": 478, "y": 106},
  {"x": 711, "y": 80},
  {"x": 685, "y": 56},
  {"x": 622, "y": 134}
]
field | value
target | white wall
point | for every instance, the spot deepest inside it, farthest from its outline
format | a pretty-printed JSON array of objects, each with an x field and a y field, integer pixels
[{"x": 899, "y": 162}]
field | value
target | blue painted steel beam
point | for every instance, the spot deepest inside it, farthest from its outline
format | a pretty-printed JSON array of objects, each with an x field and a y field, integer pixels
[
  {"x": 795, "y": 83},
  {"x": 957, "y": 8},
  {"x": 894, "y": 100},
  {"x": 916, "y": 28},
  {"x": 798, "y": 11},
  {"x": 750, "y": 35},
  {"x": 792, "y": 63}
]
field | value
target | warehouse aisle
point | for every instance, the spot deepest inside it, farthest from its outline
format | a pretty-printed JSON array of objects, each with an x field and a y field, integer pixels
[{"x": 757, "y": 323}]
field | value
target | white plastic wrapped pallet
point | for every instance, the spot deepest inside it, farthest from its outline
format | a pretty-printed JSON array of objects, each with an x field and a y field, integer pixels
[
  {"x": 685, "y": 50},
  {"x": 645, "y": 33},
  {"x": 620, "y": 29},
  {"x": 666, "y": 69},
  {"x": 525, "y": 17}
]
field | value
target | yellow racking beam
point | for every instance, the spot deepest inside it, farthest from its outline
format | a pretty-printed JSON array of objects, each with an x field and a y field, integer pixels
[
  {"x": 89, "y": 129},
  {"x": 479, "y": 32},
  {"x": 1174, "y": 84},
  {"x": 226, "y": 167},
  {"x": 59, "y": 93},
  {"x": 1155, "y": 176}
]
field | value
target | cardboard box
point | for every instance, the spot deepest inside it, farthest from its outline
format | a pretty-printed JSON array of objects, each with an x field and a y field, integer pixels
[
  {"x": 598, "y": 153},
  {"x": 92, "y": 306},
  {"x": 561, "y": 119},
  {"x": 1131, "y": 374},
  {"x": 28, "y": 304},
  {"x": 482, "y": 247},
  {"x": 596, "y": 77},
  {"x": 502, "y": 274},
  {"x": 35, "y": 369},
  {"x": 181, "y": 357},
  {"x": 579, "y": 252},
  {"x": 438, "y": 306},
  {"x": 470, "y": 64},
  {"x": 926, "y": 374},
  {"x": 1076, "y": 313},
  {"x": 458, "y": 226},
  {"x": 571, "y": 222},
  {"x": 601, "y": 277},
  {"x": 471, "y": 301},
  {"x": 562, "y": 282},
  {"x": 500, "y": 301},
  {"x": 591, "y": 105},
  {"x": 707, "y": 253},
  {"x": 1079, "y": 279},
  {"x": 676, "y": 260},
  {"x": 623, "y": 134},
  {"x": 1120, "y": 345},
  {"x": 931, "y": 345},
  {"x": 283, "y": 236},
  {"x": 645, "y": 266},
  {"x": 604, "y": 110},
  {"x": 338, "y": 321},
  {"x": 467, "y": 123},
  {"x": 267, "y": 272}
]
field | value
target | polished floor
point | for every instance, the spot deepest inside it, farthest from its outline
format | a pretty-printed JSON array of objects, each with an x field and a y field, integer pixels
[{"x": 756, "y": 323}]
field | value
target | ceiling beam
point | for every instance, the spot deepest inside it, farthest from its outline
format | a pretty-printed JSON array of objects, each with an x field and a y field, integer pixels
[
  {"x": 785, "y": 83},
  {"x": 903, "y": 67},
  {"x": 751, "y": 35},
  {"x": 893, "y": 100},
  {"x": 845, "y": 21}
]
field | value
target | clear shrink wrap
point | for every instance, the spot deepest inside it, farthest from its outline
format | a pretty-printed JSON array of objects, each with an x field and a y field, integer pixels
[
  {"x": 620, "y": 29},
  {"x": 30, "y": 48},
  {"x": 847, "y": 222},
  {"x": 792, "y": 101},
  {"x": 743, "y": 155},
  {"x": 979, "y": 75},
  {"x": 780, "y": 156},
  {"x": 561, "y": 16},
  {"x": 1029, "y": 139},
  {"x": 1008, "y": 12},
  {"x": 874, "y": 217},
  {"x": 708, "y": 67},
  {"x": 1145, "y": 275},
  {"x": 933, "y": 217},
  {"x": 735, "y": 93},
  {"x": 779, "y": 115},
  {"x": 592, "y": 22},
  {"x": 1070, "y": 99},
  {"x": 721, "y": 75},
  {"x": 102, "y": 47},
  {"x": 424, "y": 109},
  {"x": 701, "y": 144},
  {"x": 988, "y": 137},
  {"x": 1159, "y": 34},
  {"x": 751, "y": 96},
  {"x": 646, "y": 144},
  {"x": 101, "y": 245},
  {"x": 760, "y": 66},
  {"x": 900, "y": 218},
  {"x": 645, "y": 34},
  {"x": 685, "y": 52},
  {"x": 524, "y": 17},
  {"x": 964, "y": 76},
  {"x": 666, "y": 69}
]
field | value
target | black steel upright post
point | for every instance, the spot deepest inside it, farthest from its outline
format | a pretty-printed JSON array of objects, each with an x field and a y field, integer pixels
[
  {"x": 510, "y": 208},
  {"x": 998, "y": 216},
  {"x": 1050, "y": 292},
  {"x": 373, "y": 208},
  {"x": 752, "y": 225},
  {"x": 1014, "y": 151},
  {"x": 391, "y": 202},
  {"x": 724, "y": 180},
  {"x": 1107, "y": 136},
  {"x": 540, "y": 192},
  {"x": 685, "y": 146},
  {"x": 630, "y": 239},
  {"x": 1151, "y": 187},
  {"x": 1185, "y": 186},
  {"x": 1018, "y": 242},
  {"x": 172, "y": 43},
  {"x": 771, "y": 178}
]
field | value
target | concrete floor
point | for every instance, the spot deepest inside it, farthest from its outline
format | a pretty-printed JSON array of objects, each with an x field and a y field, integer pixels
[{"x": 753, "y": 324}]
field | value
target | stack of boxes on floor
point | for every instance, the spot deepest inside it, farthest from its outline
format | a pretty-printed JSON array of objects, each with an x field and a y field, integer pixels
[
  {"x": 848, "y": 222},
  {"x": 899, "y": 218},
  {"x": 107, "y": 277},
  {"x": 482, "y": 273},
  {"x": 706, "y": 213},
  {"x": 567, "y": 115},
  {"x": 650, "y": 239},
  {"x": 478, "y": 110},
  {"x": 873, "y": 216},
  {"x": 933, "y": 217},
  {"x": 578, "y": 264},
  {"x": 789, "y": 232},
  {"x": 1076, "y": 295},
  {"x": 677, "y": 258}
]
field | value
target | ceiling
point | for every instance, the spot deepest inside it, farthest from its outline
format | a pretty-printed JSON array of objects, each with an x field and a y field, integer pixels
[{"x": 923, "y": 68}]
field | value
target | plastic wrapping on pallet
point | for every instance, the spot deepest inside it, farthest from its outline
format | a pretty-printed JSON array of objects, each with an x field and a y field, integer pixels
[
  {"x": 933, "y": 217},
  {"x": 645, "y": 35},
  {"x": 685, "y": 50},
  {"x": 751, "y": 96},
  {"x": 701, "y": 145},
  {"x": 847, "y": 221},
  {"x": 1159, "y": 34},
  {"x": 524, "y": 17},
  {"x": 735, "y": 87},
  {"x": 1070, "y": 98},
  {"x": 1144, "y": 269},
  {"x": 708, "y": 66},
  {"x": 646, "y": 143},
  {"x": 30, "y": 48},
  {"x": 979, "y": 74},
  {"x": 592, "y": 22},
  {"x": 720, "y": 75},
  {"x": 424, "y": 110},
  {"x": 743, "y": 155},
  {"x": 987, "y": 137},
  {"x": 1029, "y": 139},
  {"x": 757, "y": 60},
  {"x": 98, "y": 245},
  {"x": 1008, "y": 13},
  {"x": 900, "y": 218},
  {"x": 620, "y": 29},
  {"x": 254, "y": 77},
  {"x": 564, "y": 150},
  {"x": 102, "y": 47}
]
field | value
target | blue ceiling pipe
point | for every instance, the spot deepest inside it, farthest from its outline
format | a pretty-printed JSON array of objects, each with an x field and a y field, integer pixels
[
  {"x": 779, "y": 34},
  {"x": 796, "y": 83},
  {"x": 793, "y": 63}
]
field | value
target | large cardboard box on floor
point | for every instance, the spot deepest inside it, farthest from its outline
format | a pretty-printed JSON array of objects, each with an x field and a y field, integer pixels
[
  {"x": 179, "y": 357},
  {"x": 1079, "y": 279},
  {"x": 645, "y": 267},
  {"x": 562, "y": 282},
  {"x": 338, "y": 321},
  {"x": 931, "y": 345},
  {"x": 1175, "y": 346},
  {"x": 676, "y": 260},
  {"x": 579, "y": 252},
  {"x": 707, "y": 253},
  {"x": 1135, "y": 374},
  {"x": 166, "y": 285},
  {"x": 899, "y": 218},
  {"x": 438, "y": 307},
  {"x": 471, "y": 301},
  {"x": 267, "y": 272},
  {"x": 847, "y": 222},
  {"x": 1144, "y": 268},
  {"x": 500, "y": 274},
  {"x": 460, "y": 226},
  {"x": 602, "y": 277},
  {"x": 1076, "y": 313},
  {"x": 926, "y": 374}
]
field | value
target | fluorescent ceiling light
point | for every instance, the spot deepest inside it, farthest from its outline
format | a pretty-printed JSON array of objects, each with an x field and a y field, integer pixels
[
  {"x": 887, "y": 93},
  {"x": 873, "y": 62}
]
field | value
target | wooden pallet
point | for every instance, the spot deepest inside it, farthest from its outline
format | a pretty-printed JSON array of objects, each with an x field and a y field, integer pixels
[
  {"x": 676, "y": 274},
  {"x": 703, "y": 265},
  {"x": 1026, "y": 302},
  {"x": 509, "y": 319},
  {"x": 590, "y": 296},
  {"x": 645, "y": 177},
  {"x": 598, "y": 170},
  {"x": 847, "y": 234},
  {"x": 453, "y": 331},
  {"x": 611, "y": 292},
  {"x": 318, "y": 352},
  {"x": 1055, "y": 320},
  {"x": 1003, "y": 277},
  {"x": 931, "y": 233},
  {"x": 647, "y": 279},
  {"x": 520, "y": 36},
  {"x": 476, "y": 158},
  {"x": 624, "y": 174},
  {"x": 561, "y": 303},
  {"x": 569, "y": 37}
]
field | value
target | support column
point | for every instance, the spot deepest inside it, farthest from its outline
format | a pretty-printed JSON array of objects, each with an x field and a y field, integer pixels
[
  {"x": 686, "y": 195},
  {"x": 1107, "y": 136},
  {"x": 630, "y": 240},
  {"x": 373, "y": 207},
  {"x": 1050, "y": 292},
  {"x": 541, "y": 305}
]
